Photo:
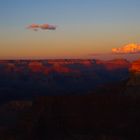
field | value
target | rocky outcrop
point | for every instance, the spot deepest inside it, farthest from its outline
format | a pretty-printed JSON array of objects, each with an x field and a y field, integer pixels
[
  {"x": 114, "y": 64},
  {"x": 133, "y": 85},
  {"x": 135, "y": 67},
  {"x": 35, "y": 66}
]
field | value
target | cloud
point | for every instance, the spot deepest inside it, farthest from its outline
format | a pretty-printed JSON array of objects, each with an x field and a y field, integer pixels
[
  {"x": 47, "y": 26},
  {"x": 35, "y": 27},
  {"x": 127, "y": 49}
]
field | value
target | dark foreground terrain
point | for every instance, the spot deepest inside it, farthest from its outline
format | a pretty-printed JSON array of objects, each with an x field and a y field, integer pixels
[{"x": 107, "y": 110}]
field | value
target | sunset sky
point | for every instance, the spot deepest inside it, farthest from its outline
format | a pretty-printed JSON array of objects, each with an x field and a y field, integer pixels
[{"x": 84, "y": 27}]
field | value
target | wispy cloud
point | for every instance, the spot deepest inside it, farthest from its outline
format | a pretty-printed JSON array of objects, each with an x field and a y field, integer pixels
[
  {"x": 127, "y": 49},
  {"x": 35, "y": 27}
]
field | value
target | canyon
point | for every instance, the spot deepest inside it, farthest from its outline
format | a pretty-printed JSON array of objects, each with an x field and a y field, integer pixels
[{"x": 109, "y": 111}]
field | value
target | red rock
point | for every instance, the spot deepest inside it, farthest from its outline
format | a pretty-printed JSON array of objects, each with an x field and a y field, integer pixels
[
  {"x": 86, "y": 63},
  {"x": 116, "y": 64},
  {"x": 135, "y": 67},
  {"x": 35, "y": 66}
]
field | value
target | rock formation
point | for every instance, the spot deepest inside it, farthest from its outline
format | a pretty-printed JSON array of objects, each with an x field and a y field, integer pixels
[
  {"x": 110, "y": 113},
  {"x": 133, "y": 85}
]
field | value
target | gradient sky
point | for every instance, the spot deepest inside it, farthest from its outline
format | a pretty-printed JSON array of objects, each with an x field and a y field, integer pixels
[{"x": 85, "y": 27}]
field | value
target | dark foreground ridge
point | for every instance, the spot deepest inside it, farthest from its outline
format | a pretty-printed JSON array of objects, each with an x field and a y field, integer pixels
[{"x": 108, "y": 113}]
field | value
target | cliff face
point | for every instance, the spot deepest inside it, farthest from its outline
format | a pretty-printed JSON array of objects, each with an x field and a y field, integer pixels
[
  {"x": 135, "y": 67},
  {"x": 115, "y": 64},
  {"x": 133, "y": 85}
]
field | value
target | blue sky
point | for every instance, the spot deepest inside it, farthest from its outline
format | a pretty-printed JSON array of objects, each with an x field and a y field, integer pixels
[
  {"x": 23, "y": 11},
  {"x": 84, "y": 26}
]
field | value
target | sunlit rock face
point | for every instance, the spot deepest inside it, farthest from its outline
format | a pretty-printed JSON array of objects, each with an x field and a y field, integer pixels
[
  {"x": 60, "y": 68},
  {"x": 135, "y": 67},
  {"x": 87, "y": 63},
  {"x": 133, "y": 85},
  {"x": 135, "y": 73},
  {"x": 117, "y": 64},
  {"x": 35, "y": 66}
]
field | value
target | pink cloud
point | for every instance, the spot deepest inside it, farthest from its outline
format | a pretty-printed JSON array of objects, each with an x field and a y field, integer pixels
[
  {"x": 47, "y": 26},
  {"x": 35, "y": 27}
]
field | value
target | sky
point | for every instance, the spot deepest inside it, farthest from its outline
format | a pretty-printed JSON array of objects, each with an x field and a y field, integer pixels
[{"x": 84, "y": 27}]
